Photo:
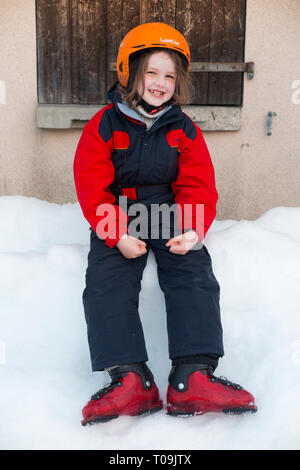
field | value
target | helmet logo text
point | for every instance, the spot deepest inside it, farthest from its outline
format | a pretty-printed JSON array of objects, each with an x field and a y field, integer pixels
[{"x": 170, "y": 40}]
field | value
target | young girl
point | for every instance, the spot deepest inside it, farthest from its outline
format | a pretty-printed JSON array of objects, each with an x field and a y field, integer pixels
[{"x": 144, "y": 149}]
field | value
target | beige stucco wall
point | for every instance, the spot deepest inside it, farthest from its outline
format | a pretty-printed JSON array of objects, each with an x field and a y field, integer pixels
[{"x": 254, "y": 172}]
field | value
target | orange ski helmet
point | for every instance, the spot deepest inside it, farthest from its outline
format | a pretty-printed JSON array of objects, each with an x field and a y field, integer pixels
[{"x": 146, "y": 36}]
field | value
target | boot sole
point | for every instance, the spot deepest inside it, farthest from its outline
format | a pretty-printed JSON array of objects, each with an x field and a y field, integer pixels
[
  {"x": 240, "y": 410},
  {"x": 105, "y": 419},
  {"x": 185, "y": 414},
  {"x": 230, "y": 411}
]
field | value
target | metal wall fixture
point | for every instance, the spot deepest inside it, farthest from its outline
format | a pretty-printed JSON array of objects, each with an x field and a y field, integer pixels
[{"x": 270, "y": 122}]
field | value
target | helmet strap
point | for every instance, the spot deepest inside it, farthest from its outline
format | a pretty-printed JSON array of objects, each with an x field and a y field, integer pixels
[{"x": 149, "y": 108}]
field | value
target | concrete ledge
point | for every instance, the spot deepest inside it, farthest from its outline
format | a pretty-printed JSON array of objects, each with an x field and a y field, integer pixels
[
  {"x": 65, "y": 116},
  {"x": 70, "y": 116},
  {"x": 215, "y": 118}
]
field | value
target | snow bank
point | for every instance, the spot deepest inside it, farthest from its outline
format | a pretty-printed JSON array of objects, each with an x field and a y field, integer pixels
[{"x": 45, "y": 368}]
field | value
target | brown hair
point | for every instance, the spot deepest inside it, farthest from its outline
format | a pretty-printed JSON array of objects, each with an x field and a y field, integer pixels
[{"x": 137, "y": 69}]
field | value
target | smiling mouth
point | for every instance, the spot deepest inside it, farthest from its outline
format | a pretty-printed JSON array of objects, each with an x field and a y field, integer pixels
[{"x": 156, "y": 92}]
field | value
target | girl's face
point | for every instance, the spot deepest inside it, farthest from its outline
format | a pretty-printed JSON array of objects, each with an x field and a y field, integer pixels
[{"x": 159, "y": 80}]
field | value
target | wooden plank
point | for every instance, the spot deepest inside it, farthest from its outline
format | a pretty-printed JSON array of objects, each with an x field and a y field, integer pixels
[
  {"x": 158, "y": 11},
  {"x": 193, "y": 20},
  {"x": 53, "y": 51},
  {"x": 121, "y": 16},
  {"x": 227, "y": 45},
  {"x": 89, "y": 44},
  {"x": 222, "y": 67}
]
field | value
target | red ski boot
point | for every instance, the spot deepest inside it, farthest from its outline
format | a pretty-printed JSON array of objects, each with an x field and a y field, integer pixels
[
  {"x": 131, "y": 392},
  {"x": 194, "y": 390}
]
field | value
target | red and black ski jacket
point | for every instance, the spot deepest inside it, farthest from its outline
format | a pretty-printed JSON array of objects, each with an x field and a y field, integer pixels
[{"x": 116, "y": 146}]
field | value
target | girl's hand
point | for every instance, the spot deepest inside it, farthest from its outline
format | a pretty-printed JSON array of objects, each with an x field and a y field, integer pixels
[
  {"x": 181, "y": 244},
  {"x": 131, "y": 247}
]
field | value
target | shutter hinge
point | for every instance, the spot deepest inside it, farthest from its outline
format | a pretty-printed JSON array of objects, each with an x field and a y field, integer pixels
[{"x": 247, "y": 67}]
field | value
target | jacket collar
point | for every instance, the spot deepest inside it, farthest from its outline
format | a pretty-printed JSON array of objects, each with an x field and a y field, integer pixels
[
  {"x": 171, "y": 113},
  {"x": 113, "y": 94},
  {"x": 124, "y": 108}
]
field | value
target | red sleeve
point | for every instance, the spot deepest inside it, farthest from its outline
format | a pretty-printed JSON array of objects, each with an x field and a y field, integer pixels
[
  {"x": 93, "y": 173},
  {"x": 195, "y": 190}
]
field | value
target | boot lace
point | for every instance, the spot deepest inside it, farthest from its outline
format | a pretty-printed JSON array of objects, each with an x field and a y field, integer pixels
[
  {"x": 223, "y": 380},
  {"x": 108, "y": 388}
]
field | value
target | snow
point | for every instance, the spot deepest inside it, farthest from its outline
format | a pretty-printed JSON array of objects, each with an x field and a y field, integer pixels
[{"x": 45, "y": 370}]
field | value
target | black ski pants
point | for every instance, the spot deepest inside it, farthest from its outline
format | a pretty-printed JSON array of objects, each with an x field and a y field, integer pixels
[{"x": 111, "y": 301}]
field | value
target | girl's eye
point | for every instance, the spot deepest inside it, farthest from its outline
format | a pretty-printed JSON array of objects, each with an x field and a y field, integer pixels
[{"x": 168, "y": 76}]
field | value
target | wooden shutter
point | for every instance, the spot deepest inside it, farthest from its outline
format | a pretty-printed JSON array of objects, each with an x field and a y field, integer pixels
[
  {"x": 78, "y": 39},
  {"x": 215, "y": 31}
]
